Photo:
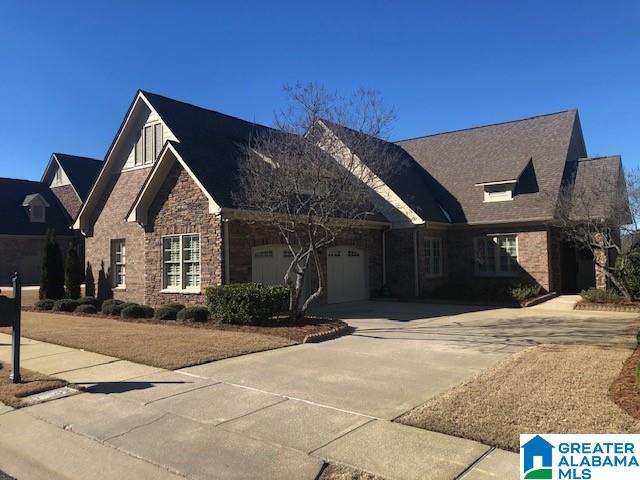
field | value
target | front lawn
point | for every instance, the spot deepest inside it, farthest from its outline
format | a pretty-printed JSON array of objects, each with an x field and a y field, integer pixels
[
  {"x": 12, "y": 393},
  {"x": 548, "y": 389},
  {"x": 163, "y": 344}
]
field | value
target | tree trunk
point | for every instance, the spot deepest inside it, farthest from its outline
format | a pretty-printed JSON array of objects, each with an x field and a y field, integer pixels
[{"x": 618, "y": 284}]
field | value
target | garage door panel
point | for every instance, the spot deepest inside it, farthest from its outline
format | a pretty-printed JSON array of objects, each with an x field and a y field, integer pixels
[{"x": 346, "y": 275}]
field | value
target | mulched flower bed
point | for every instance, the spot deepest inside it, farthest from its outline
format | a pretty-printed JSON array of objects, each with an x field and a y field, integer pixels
[
  {"x": 624, "y": 390},
  {"x": 283, "y": 328}
]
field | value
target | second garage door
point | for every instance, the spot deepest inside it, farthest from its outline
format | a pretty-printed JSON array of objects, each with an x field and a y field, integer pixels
[{"x": 346, "y": 275}]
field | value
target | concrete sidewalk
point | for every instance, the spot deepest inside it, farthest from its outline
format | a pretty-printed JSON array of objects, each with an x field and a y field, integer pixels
[{"x": 143, "y": 422}]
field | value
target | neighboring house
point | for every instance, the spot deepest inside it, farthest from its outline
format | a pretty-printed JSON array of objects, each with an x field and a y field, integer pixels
[
  {"x": 161, "y": 223},
  {"x": 70, "y": 178},
  {"x": 28, "y": 209}
]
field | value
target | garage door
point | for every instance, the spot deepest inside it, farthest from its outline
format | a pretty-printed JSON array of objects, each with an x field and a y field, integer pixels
[
  {"x": 269, "y": 264},
  {"x": 346, "y": 275}
]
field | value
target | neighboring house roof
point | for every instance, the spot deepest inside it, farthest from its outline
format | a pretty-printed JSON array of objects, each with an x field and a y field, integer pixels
[
  {"x": 534, "y": 150},
  {"x": 82, "y": 171},
  {"x": 409, "y": 180},
  {"x": 14, "y": 217},
  {"x": 598, "y": 190}
]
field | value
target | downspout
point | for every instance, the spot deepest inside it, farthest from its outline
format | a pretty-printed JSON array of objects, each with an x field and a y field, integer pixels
[
  {"x": 415, "y": 261},
  {"x": 225, "y": 240}
]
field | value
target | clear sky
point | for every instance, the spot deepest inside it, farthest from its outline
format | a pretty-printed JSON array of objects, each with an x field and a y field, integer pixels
[{"x": 68, "y": 70}]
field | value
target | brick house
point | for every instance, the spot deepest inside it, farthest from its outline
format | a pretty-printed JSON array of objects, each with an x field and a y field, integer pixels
[
  {"x": 473, "y": 206},
  {"x": 28, "y": 209}
]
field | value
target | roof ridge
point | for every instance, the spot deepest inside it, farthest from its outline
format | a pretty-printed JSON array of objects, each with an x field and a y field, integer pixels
[
  {"x": 193, "y": 105},
  {"x": 22, "y": 180},
  {"x": 533, "y": 117},
  {"x": 77, "y": 156},
  {"x": 599, "y": 157}
]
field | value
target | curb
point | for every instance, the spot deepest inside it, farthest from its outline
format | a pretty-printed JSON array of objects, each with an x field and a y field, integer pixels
[
  {"x": 604, "y": 307},
  {"x": 328, "y": 335}
]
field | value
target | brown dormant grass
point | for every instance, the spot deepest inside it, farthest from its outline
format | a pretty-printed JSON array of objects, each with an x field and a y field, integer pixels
[
  {"x": 547, "y": 389},
  {"x": 32, "y": 383},
  {"x": 334, "y": 471},
  {"x": 159, "y": 345}
]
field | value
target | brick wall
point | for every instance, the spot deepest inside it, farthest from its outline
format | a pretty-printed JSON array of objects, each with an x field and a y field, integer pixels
[
  {"x": 69, "y": 199},
  {"x": 244, "y": 236},
  {"x": 180, "y": 207},
  {"x": 400, "y": 261},
  {"x": 24, "y": 254},
  {"x": 110, "y": 224}
]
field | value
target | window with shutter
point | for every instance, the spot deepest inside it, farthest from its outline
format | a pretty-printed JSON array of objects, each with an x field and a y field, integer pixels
[
  {"x": 157, "y": 137},
  {"x": 148, "y": 144}
]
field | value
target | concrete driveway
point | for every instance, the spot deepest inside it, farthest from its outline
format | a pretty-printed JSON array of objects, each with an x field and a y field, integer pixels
[{"x": 310, "y": 403}]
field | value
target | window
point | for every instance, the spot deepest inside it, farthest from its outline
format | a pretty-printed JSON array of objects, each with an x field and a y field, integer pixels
[
  {"x": 498, "y": 193},
  {"x": 149, "y": 144},
  {"x": 36, "y": 213},
  {"x": 181, "y": 262},
  {"x": 118, "y": 263},
  {"x": 433, "y": 256},
  {"x": 497, "y": 255}
]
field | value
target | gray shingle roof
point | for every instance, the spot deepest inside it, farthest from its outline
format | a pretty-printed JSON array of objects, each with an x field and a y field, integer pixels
[
  {"x": 14, "y": 217},
  {"x": 458, "y": 160},
  {"x": 82, "y": 171}
]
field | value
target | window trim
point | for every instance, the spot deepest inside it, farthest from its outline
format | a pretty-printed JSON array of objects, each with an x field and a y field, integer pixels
[
  {"x": 496, "y": 247},
  {"x": 181, "y": 289},
  {"x": 33, "y": 218},
  {"x": 114, "y": 264},
  {"x": 142, "y": 137},
  {"x": 440, "y": 271}
]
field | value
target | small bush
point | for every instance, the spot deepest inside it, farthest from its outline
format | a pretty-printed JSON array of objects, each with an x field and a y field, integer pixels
[
  {"x": 44, "y": 304},
  {"x": 86, "y": 308},
  {"x": 90, "y": 301},
  {"x": 134, "y": 310},
  {"x": 247, "y": 303},
  {"x": 195, "y": 314},
  {"x": 112, "y": 307},
  {"x": 175, "y": 306},
  {"x": 524, "y": 292},
  {"x": 65, "y": 305},
  {"x": 167, "y": 312},
  {"x": 598, "y": 295}
]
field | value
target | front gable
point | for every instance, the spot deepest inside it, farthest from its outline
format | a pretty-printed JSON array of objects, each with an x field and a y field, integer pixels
[{"x": 128, "y": 152}]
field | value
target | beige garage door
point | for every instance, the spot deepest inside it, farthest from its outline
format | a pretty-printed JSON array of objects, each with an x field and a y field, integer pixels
[
  {"x": 346, "y": 275},
  {"x": 269, "y": 264}
]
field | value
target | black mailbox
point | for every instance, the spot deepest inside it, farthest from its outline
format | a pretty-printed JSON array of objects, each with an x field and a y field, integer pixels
[{"x": 8, "y": 311}]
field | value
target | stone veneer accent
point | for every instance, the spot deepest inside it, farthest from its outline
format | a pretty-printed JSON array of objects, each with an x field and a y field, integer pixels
[
  {"x": 68, "y": 198},
  {"x": 110, "y": 224},
  {"x": 180, "y": 207}
]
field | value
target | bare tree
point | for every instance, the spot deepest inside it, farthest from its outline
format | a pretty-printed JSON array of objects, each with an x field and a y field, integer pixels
[
  {"x": 314, "y": 175},
  {"x": 596, "y": 210}
]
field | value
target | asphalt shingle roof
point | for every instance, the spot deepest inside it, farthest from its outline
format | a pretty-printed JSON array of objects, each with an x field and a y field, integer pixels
[
  {"x": 538, "y": 147},
  {"x": 14, "y": 218},
  {"x": 82, "y": 171}
]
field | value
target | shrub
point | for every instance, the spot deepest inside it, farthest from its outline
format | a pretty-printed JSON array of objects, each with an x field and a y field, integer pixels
[
  {"x": 86, "y": 308},
  {"x": 90, "y": 301},
  {"x": 598, "y": 295},
  {"x": 629, "y": 266},
  {"x": 72, "y": 272},
  {"x": 524, "y": 292},
  {"x": 167, "y": 312},
  {"x": 246, "y": 303},
  {"x": 195, "y": 314},
  {"x": 134, "y": 310},
  {"x": 44, "y": 304},
  {"x": 175, "y": 306},
  {"x": 112, "y": 306},
  {"x": 65, "y": 305},
  {"x": 52, "y": 274}
]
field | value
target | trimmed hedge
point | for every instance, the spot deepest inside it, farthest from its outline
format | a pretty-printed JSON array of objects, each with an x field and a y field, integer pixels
[
  {"x": 524, "y": 292},
  {"x": 247, "y": 303},
  {"x": 86, "y": 308},
  {"x": 195, "y": 314},
  {"x": 65, "y": 305},
  {"x": 133, "y": 310},
  {"x": 114, "y": 307},
  {"x": 44, "y": 304},
  {"x": 176, "y": 306},
  {"x": 598, "y": 295},
  {"x": 90, "y": 301},
  {"x": 167, "y": 312}
]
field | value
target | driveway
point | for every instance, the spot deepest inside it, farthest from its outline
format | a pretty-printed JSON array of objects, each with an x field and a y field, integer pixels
[{"x": 309, "y": 403}]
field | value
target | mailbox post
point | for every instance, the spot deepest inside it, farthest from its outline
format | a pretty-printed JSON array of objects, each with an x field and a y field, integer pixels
[{"x": 10, "y": 317}]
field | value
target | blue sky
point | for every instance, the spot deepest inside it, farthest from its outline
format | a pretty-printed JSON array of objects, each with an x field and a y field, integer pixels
[{"x": 68, "y": 70}]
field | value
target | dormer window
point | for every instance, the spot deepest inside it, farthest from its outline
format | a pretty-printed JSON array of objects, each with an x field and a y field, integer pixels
[
  {"x": 36, "y": 206},
  {"x": 149, "y": 144},
  {"x": 498, "y": 191}
]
